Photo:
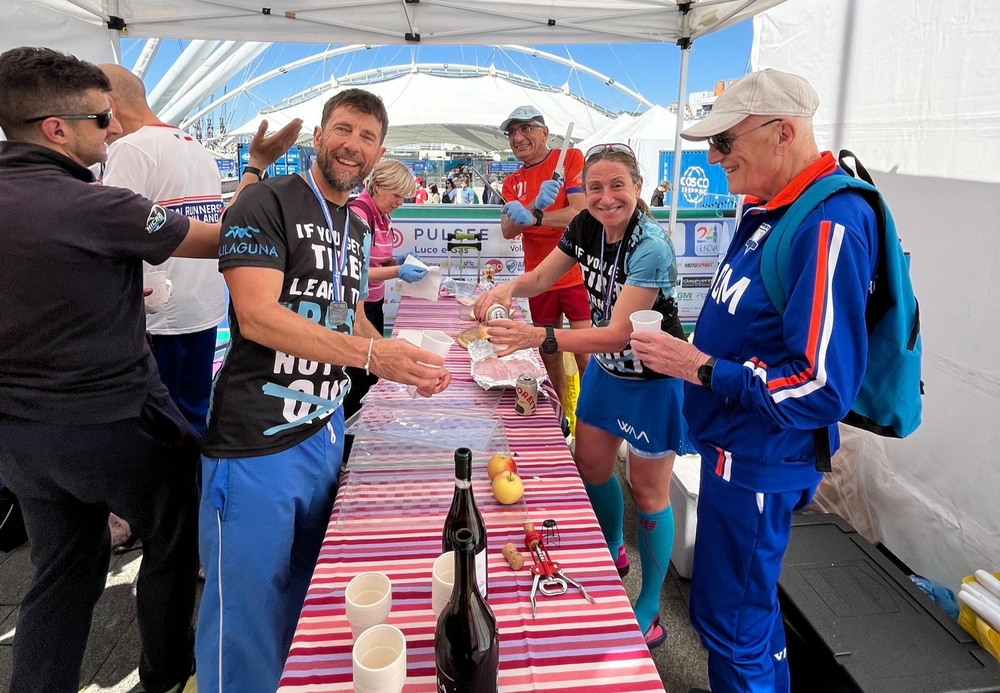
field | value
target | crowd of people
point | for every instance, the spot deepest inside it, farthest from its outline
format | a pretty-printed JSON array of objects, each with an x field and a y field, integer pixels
[{"x": 105, "y": 408}]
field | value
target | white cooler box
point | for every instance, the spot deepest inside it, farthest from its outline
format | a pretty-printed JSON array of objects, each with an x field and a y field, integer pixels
[{"x": 684, "y": 498}]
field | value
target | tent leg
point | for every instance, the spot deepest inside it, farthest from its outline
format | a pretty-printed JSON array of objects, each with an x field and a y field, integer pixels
[
  {"x": 675, "y": 176},
  {"x": 115, "y": 35}
]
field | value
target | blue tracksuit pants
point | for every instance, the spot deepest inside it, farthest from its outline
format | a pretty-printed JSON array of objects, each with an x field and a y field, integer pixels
[
  {"x": 261, "y": 526},
  {"x": 739, "y": 546}
]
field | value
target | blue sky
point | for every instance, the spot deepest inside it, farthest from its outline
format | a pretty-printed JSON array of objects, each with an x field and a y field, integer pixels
[{"x": 650, "y": 69}]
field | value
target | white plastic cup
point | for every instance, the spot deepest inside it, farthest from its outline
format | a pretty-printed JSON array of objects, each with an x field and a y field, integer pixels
[
  {"x": 379, "y": 660},
  {"x": 157, "y": 281},
  {"x": 646, "y": 321},
  {"x": 442, "y": 581},
  {"x": 368, "y": 601},
  {"x": 436, "y": 342}
]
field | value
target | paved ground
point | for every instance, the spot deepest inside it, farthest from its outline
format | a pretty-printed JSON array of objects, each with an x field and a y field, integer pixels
[{"x": 111, "y": 659}]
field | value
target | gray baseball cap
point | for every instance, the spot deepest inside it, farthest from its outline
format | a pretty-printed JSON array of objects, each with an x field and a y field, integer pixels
[
  {"x": 767, "y": 92},
  {"x": 522, "y": 114}
]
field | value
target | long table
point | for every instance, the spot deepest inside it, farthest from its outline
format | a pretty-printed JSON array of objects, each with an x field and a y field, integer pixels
[{"x": 569, "y": 644}]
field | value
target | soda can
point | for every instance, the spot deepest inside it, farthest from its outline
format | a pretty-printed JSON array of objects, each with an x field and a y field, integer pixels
[
  {"x": 526, "y": 392},
  {"x": 496, "y": 312}
]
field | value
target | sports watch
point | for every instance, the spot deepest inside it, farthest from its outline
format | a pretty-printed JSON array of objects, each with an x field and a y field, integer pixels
[
  {"x": 705, "y": 373},
  {"x": 549, "y": 344},
  {"x": 254, "y": 170},
  {"x": 538, "y": 217}
]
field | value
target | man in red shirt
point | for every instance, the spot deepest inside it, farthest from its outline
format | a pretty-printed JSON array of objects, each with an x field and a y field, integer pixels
[{"x": 539, "y": 208}]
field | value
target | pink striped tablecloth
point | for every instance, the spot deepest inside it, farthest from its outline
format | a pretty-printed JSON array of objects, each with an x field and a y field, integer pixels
[{"x": 569, "y": 645}]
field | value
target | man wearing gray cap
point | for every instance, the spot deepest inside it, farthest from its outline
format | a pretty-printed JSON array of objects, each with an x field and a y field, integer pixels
[
  {"x": 760, "y": 382},
  {"x": 541, "y": 208}
]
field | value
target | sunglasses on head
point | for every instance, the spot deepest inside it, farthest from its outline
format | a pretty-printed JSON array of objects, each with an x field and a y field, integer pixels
[
  {"x": 523, "y": 128},
  {"x": 724, "y": 143},
  {"x": 616, "y": 147},
  {"x": 103, "y": 120}
]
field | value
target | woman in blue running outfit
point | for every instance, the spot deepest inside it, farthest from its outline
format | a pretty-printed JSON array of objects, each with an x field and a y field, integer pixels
[{"x": 628, "y": 264}]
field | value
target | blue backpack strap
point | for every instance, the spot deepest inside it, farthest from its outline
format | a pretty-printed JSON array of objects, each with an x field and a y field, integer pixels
[
  {"x": 778, "y": 242},
  {"x": 774, "y": 265}
]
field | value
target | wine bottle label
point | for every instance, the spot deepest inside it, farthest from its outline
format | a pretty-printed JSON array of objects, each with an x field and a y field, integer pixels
[
  {"x": 462, "y": 483},
  {"x": 481, "y": 571}
]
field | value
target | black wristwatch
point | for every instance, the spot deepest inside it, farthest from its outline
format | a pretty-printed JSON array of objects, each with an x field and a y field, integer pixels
[
  {"x": 549, "y": 344},
  {"x": 254, "y": 170},
  {"x": 705, "y": 373},
  {"x": 538, "y": 218}
]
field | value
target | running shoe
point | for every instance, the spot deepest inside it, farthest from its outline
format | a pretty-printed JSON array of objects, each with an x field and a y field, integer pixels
[
  {"x": 621, "y": 562},
  {"x": 656, "y": 634}
]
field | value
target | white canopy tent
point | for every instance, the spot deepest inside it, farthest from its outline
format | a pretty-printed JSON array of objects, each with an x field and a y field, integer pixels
[
  {"x": 457, "y": 110},
  {"x": 64, "y": 26},
  {"x": 430, "y": 21},
  {"x": 910, "y": 87},
  {"x": 648, "y": 135}
]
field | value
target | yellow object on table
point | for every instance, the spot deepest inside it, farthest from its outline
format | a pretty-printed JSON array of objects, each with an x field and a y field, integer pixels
[
  {"x": 572, "y": 389},
  {"x": 987, "y": 638}
]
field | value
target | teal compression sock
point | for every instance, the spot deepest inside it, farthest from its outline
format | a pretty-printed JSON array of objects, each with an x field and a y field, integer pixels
[
  {"x": 609, "y": 506},
  {"x": 656, "y": 540}
]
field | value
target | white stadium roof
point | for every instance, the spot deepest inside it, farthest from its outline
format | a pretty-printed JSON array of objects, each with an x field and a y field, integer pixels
[{"x": 463, "y": 111}]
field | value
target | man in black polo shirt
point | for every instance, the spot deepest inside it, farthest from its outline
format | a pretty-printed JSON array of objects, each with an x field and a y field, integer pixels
[{"x": 85, "y": 424}]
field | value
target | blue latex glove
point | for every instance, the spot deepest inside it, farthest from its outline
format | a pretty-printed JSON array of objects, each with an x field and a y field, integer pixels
[
  {"x": 411, "y": 273},
  {"x": 518, "y": 213},
  {"x": 547, "y": 193},
  {"x": 400, "y": 259}
]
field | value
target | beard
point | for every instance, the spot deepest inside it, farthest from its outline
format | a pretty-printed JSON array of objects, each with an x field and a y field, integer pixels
[{"x": 344, "y": 182}]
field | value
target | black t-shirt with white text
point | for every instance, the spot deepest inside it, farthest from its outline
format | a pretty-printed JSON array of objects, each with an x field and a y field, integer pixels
[
  {"x": 265, "y": 401},
  {"x": 645, "y": 259}
]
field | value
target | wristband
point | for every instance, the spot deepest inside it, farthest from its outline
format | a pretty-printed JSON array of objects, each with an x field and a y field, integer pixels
[
  {"x": 538, "y": 216},
  {"x": 255, "y": 171},
  {"x": 368, "y": 361}
]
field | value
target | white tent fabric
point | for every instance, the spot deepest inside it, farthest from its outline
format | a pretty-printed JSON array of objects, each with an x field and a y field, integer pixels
[
  {"x": 648, "y": 135},
  {"x": 910, "y": 86},
  {"x": 435, "y": 21},
  {"x": 607, "y": 133},
  {"x": 456, "y": 110},
  {"x": 69, "y": 29},
  {"x": 915, "y": 89}
]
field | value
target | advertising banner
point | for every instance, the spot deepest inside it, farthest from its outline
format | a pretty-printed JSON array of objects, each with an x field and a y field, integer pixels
[
  {"x": 702, "y": 185},
  {"x": 227, "y": 167},
  {"x": 424, "y": 229}
]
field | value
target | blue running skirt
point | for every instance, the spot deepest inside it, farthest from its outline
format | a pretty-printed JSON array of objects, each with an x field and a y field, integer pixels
[{"x": 646, "y": 413}]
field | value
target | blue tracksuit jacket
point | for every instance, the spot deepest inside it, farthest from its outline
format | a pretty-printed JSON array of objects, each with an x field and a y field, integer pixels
[{"x": 778, "y": 377}]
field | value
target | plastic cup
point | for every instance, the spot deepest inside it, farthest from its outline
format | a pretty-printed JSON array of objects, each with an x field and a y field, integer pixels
[
  {"x": 368, "y": 601},
  {"x": 157, "y": 281},
  {"x": 646, "y": 321},
  {"x": 436, "y": 342},
  {"x": 379, "y": 660},
  {"x": 442, "y": 581}
]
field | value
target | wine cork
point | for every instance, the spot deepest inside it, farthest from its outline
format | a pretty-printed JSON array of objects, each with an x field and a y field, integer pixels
[{"x": 513, "y": 557}]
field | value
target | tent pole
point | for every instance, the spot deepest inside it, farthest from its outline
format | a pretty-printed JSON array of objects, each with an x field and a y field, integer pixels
[
  {"x": 675, "y": 175},
  {"x": 115, "y": 35}
]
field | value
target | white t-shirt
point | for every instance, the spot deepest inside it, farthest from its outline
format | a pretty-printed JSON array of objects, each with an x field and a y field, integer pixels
[{"x": 171, "y": 168}]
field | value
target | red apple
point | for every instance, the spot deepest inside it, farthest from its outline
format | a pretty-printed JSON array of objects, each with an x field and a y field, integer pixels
[{"x": 500, "y": 463}]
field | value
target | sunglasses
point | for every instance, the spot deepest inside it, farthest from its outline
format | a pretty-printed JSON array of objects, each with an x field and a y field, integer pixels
[
  {"x": 724, "y": 143},
  {"x": 523, "y": 128},
  {"x": 616, "y": 147},
  {"x": 103, "y": 119}
]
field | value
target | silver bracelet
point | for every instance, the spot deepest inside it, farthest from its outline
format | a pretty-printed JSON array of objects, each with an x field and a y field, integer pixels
[{"x": 368, "y": 362}]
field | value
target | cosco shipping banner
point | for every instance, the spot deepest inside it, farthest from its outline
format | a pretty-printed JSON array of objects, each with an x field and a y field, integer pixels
[
  {"x": 702, "y": 185},
  {"x": 423, "y": 229}
]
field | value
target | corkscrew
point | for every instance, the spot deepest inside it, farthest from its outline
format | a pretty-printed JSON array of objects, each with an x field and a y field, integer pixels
[{"x": 550, "y": 579}]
